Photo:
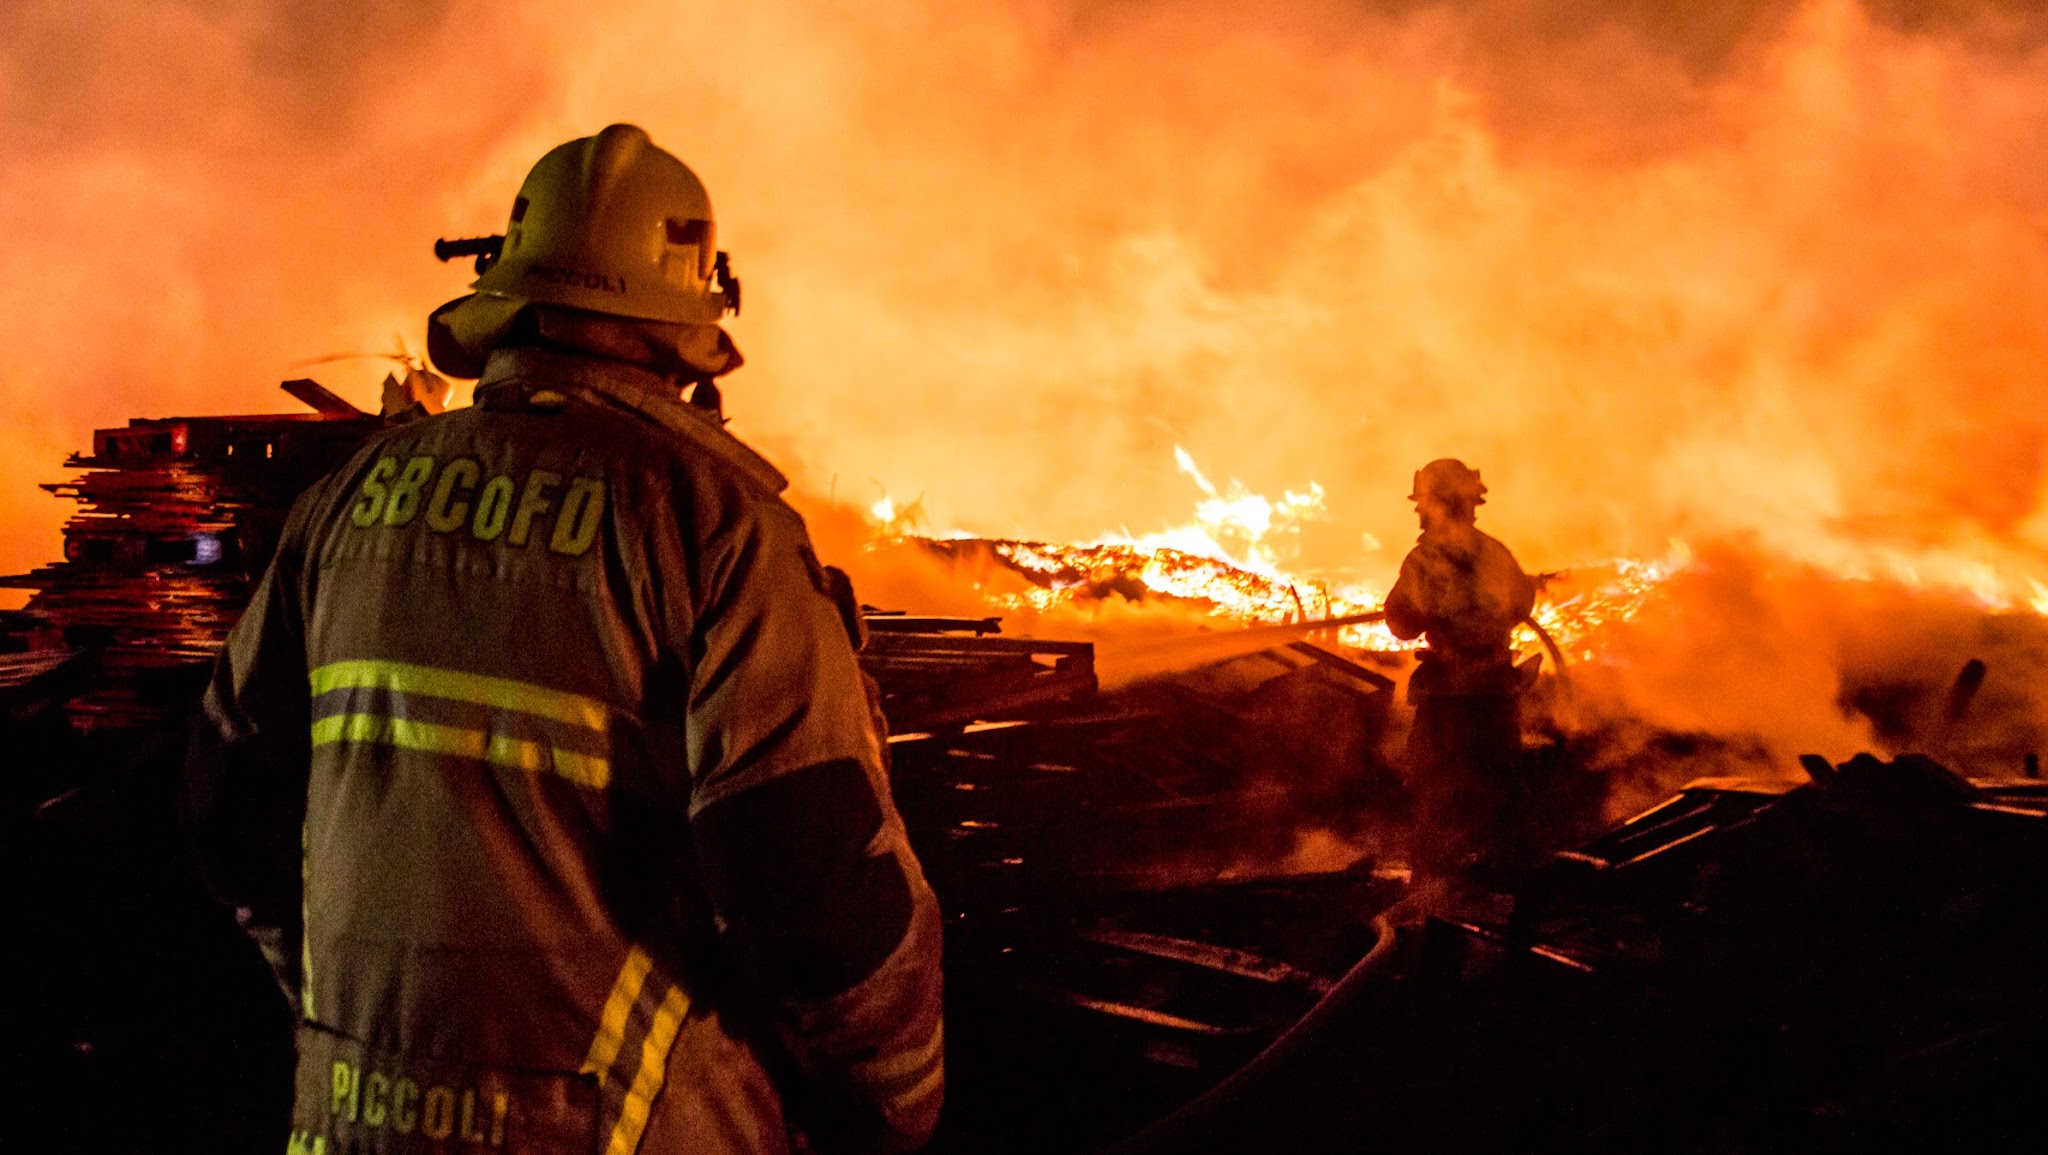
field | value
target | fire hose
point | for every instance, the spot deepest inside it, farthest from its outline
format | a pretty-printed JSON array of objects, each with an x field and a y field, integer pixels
[
  {"x": 1184, "y": 1127},
  {"x": 1556, "y": 655},
  {"x": 1120, "y": 666}
]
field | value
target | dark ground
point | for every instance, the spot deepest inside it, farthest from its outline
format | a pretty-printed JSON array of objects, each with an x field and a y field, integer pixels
[{"x": 1853, "y": 964}]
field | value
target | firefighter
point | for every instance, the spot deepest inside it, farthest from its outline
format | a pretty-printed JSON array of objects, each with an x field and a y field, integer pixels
[
  {"x": 1463, "y": 593},
  {"x": 549, "y": 704}
]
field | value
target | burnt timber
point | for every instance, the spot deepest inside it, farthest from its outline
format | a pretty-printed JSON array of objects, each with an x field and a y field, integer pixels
[{"x": 176, "y": 520}]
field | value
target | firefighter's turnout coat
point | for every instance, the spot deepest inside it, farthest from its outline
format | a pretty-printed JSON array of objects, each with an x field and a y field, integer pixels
[
  {"x": 546, "y": 703},
  {"x": 1463, "y": 591}
]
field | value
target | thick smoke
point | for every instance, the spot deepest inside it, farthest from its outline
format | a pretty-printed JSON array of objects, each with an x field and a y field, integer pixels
[
  {"x": 1771, "y": 274},
  {"x": 1764, "y": 273}
]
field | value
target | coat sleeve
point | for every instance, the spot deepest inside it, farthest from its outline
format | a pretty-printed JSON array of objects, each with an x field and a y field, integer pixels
[
  {"x": 1407, "y": 615},
  {"x": 801, "y": 848},
  {"x": 242, "y": 798}
]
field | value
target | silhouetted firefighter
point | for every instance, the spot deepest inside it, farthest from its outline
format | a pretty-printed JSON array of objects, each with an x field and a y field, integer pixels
[{"x": 1462, "y": 592}]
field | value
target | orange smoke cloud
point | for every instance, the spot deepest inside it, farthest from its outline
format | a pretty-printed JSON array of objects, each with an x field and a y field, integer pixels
[{"x": 1013, "y": 259}]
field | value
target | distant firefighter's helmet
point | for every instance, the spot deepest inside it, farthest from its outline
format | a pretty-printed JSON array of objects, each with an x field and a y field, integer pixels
[
  {"x": 613, "y": 224},
  {"x": 1447, "y": 477}
]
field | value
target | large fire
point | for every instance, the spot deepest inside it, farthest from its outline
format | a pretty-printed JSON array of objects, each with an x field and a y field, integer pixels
[
  {"x": 1231, "y": 563},
  {"x": 1764, "y": 279}
]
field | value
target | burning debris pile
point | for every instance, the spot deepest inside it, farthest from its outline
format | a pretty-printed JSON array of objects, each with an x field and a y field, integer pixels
[
  {"x": 1236, "y": 563},
  {"x": 1059, "y": 575},
  {"x": 1177, "y": 899},
  {"x": 1161, "y": 864},
  {"x": 1679, "y": 271}
]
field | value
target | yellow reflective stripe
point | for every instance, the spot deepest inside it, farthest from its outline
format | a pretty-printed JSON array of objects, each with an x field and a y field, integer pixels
[
  {"x": 435, "y": 682},
  {"x": 611, "y": 1025},
  {"x": 462, "y": 742},
  {"x": 588, "y": 769},
  {"x": 882, "y": 1070},
  {"x": 924, "y": 1087},
  {"x": 653, "y": 1069}
]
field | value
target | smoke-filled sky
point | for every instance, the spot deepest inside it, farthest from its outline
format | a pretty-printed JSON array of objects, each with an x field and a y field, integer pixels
[{"x": 1658, "y": 269}]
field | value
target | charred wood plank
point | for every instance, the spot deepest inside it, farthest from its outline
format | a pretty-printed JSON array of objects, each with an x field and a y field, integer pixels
[{"x": 1228, "y": 960}]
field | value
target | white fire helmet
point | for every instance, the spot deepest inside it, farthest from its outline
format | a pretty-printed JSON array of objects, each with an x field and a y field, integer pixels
[{"x": 613, "y": 224}]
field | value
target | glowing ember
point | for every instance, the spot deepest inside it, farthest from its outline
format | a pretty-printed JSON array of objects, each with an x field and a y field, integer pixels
[
  {"x": 1235, "y": 591},
  {"x": 893, "y": 520},
  {"x": 1576, "y": 605}
]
